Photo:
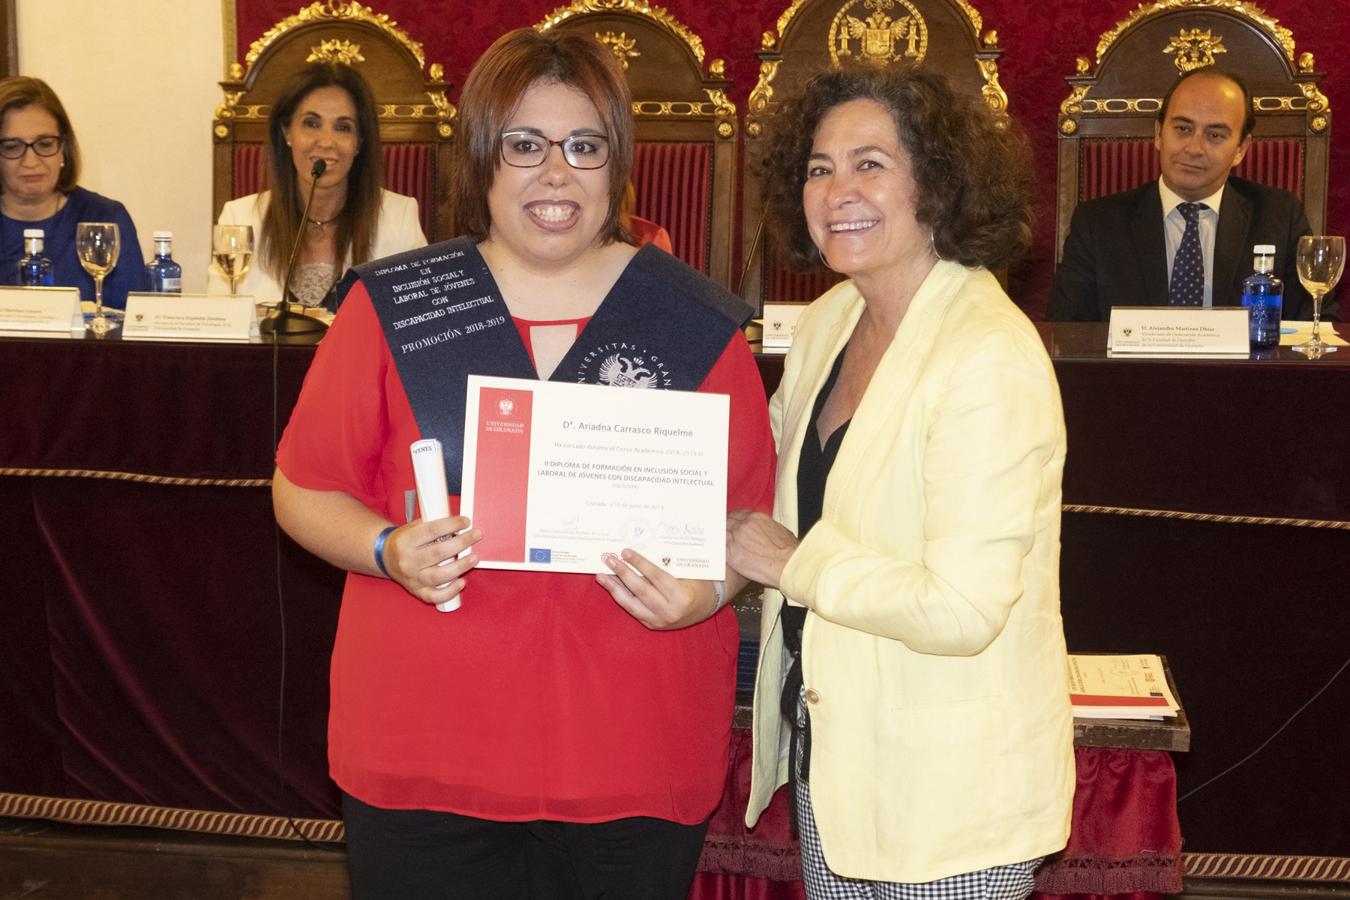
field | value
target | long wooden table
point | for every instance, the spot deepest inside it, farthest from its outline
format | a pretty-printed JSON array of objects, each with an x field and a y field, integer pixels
[{"x": 143, "y": 585}]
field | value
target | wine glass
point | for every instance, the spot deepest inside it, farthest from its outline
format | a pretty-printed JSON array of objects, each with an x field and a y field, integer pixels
[
  {"x": 232, "y": 252},
  {"x": 1320, "y": 261},
  {"x": 96, "y": 245}
]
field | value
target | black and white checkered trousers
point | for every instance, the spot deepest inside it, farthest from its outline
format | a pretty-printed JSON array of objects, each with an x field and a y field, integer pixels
[
  {"x": 1014, "y": 881},
  {"x": 1010, "y": 882}
]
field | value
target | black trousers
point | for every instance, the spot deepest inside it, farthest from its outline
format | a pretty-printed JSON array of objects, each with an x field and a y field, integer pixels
[{"x": 411, "y": 854}]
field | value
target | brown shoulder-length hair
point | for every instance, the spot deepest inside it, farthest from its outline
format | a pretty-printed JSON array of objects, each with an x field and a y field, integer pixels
[
  {"x": 492, "y": 93},
  {"x": 20, "y": 91},
  {"x": 972, "y": 173},
  {"x": 354, "y": 234}
]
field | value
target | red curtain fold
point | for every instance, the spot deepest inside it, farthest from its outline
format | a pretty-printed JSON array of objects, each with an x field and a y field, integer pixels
[
  {"x": 785, "y": 284},
  {"x": 249, "y": 165},
  {"x": 1278, "y": 163},
  {"x": 145, "y": 716},
  {"x": 709, "y": 886},
  {"x": 1125, "y": 837},
  {"x": 1111, "y": 166},
  {"x": 673, "y": 182},
  {"x": 407, "y": 170}
]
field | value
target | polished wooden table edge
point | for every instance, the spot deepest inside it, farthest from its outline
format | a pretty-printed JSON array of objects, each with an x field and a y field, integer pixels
[
  {"x": 1064, "y": 341},
  {"x": 1086, "y": 342}
]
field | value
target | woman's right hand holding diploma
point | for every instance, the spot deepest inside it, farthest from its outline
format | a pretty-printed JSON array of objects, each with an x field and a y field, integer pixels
[{"x": 424, "y": 557}]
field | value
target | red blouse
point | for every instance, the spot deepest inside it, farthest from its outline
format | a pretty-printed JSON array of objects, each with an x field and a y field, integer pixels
[{"x": 540, "y": 698}]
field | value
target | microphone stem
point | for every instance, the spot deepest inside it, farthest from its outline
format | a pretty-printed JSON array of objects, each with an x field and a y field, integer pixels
[{"x": 299, "y": 240}]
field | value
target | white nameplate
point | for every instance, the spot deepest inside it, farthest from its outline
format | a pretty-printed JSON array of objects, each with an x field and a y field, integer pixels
[
  {"x": 1178, "y": 330},
  {"x": 190, "y": 317},
  {"x": 780, "y": 324},
  {"x": 41, "y": 310}
]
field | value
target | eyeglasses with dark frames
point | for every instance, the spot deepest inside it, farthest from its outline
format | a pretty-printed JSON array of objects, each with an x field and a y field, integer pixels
[
  {"x": 45, "y": 145},
  {"x": 528, "y": 149}
]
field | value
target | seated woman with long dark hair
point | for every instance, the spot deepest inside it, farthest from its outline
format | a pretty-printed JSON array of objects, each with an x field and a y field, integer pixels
[{"x": 325, "y": 112}]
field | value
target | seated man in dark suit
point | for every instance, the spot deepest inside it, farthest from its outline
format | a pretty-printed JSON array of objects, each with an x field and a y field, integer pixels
[{"x": 1185, "y": 240}]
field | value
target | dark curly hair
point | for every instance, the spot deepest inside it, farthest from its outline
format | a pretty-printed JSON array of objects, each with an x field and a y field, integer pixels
[{"x": 972, "y": 171}]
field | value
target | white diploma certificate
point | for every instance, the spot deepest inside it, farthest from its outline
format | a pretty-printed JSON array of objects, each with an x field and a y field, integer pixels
[{"x": 556, "y": 475}]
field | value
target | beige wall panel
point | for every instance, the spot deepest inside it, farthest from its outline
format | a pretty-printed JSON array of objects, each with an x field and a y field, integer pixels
[{"x": 138, "y": 78}]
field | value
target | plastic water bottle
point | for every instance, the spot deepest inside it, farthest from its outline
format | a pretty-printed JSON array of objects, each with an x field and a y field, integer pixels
[
  {"x": 35, "y": 270},
  {"x": 1263, "y": 295},
  {"x": 165, "y": 275}
]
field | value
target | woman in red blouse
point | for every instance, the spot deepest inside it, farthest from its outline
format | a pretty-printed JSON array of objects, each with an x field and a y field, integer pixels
[{"x": 558, "y": 735}]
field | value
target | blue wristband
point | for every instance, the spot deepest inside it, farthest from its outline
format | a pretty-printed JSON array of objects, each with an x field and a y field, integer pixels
[{"x": 379, "y": 549}]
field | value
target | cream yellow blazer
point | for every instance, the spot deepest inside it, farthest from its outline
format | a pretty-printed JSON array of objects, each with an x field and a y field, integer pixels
[{"x": 934, "y": 660}]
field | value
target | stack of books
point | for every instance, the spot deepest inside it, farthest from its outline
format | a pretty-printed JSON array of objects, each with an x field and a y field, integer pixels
[{"x": 1120, "y": 687}]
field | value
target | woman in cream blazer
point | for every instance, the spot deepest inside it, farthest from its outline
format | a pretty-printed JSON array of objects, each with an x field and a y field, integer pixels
[{"x": 934, "y": 672}]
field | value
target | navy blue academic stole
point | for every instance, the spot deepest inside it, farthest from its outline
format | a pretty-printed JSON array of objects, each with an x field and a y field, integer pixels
[{"x": 661, "y": 326}]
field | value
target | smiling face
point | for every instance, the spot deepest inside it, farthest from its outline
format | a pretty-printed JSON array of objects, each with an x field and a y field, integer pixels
[
  {"x": 552, "y": 214},
  {"x": 30, "y": 178},
  {"x": 859, "y": 195},
  {"x": 1200, "y": 138},
  {"x": 324, "y": 127}
]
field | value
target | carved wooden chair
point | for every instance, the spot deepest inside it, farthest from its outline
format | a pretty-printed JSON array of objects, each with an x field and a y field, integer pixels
[
  {"x": 944, "y": 35},
  {"x": 684, "y": 168},
  {"x": 415, "y": 118},
  {"x": 1106, "y": 123}
]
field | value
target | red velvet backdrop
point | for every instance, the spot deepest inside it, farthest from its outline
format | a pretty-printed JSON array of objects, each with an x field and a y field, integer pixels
[{"x": 1039, "y": 41}]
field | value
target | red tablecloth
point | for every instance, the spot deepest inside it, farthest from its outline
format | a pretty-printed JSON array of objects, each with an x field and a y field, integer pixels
[{"x": 1125, "y": 840}]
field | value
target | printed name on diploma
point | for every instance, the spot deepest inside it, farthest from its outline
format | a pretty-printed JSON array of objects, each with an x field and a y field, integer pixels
[{"x": 656, "y": 430}]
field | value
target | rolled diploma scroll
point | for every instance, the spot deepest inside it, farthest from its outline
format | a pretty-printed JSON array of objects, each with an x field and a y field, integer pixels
[{"x": 429, "y": 471}]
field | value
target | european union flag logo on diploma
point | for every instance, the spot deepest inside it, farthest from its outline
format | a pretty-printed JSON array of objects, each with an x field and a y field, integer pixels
[{"x": 540, "y": 555}]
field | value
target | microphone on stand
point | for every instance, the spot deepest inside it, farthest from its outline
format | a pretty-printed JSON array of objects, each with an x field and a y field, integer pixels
[
  {"x": 753, "y": 332},
  {"x": 749, "y": 260},
  {"x": 283, "y": 321}
]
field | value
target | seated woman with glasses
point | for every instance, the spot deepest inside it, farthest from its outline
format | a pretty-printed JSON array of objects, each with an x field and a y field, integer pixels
[
  {"x": 559, "y": 735},
  {"x": 39, "y": 174}
]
